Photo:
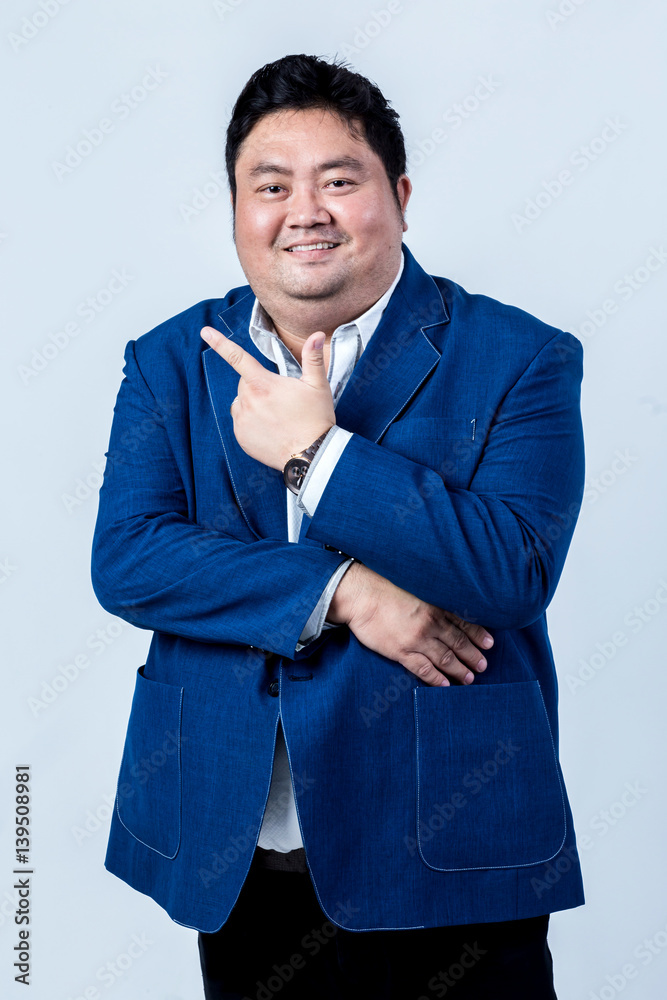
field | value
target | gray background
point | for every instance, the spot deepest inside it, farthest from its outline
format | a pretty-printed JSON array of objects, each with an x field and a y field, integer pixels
[{"x": 554, "y": 79}]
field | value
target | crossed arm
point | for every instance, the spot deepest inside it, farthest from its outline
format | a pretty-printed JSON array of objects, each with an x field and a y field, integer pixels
[{"x": 494, "y": 553}]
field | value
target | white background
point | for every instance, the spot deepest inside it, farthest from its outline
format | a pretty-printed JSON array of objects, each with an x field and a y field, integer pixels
[{"x": 555, "y": 80}]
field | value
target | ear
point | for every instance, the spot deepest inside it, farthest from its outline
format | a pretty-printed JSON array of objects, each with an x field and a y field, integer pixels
[{"x": 404, "y": 190}]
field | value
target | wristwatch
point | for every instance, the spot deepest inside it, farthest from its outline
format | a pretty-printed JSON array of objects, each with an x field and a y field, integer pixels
[{"x": 297, "y": 465}]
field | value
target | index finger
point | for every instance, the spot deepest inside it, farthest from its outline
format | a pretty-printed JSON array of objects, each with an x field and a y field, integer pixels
[
  {"x": 242, "y": 362},
  {"x": 476, "y": 633}
]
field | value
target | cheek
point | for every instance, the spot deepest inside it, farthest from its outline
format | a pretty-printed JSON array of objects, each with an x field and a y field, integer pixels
[
  {"x": 371, "y": 218},
  {"x": 257, "y": 226}
]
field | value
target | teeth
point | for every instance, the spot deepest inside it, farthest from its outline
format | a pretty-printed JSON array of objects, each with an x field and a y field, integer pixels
[{"x": 313, "y": 246}]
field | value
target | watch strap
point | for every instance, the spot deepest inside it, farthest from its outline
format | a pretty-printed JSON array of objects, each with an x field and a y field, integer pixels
[{"x": 305, "y": 457}]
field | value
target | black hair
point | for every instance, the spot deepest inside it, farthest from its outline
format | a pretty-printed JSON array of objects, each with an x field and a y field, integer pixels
[{"x": 303, "y": 81}]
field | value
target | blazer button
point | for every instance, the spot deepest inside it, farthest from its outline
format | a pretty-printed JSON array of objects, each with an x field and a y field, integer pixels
[
  {"x": 274, "y": 689},
  {"x": 266, "y": 653}
]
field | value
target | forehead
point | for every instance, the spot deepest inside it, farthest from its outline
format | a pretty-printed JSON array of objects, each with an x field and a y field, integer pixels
[{"x": 304, "y": 133}]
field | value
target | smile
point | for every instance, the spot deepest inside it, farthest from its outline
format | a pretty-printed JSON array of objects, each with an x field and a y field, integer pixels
[{"x": 310, "y": 247}]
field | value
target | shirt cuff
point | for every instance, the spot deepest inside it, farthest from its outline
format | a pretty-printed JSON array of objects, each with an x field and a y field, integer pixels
[
  {"x": 321, "y": 467},
  {"x": 316, "y": 623}
]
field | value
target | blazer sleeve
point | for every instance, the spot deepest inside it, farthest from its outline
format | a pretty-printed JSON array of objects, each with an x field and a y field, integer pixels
[
  {"x": 492, "y": 553},
  {"x": 154, "y": 567}
]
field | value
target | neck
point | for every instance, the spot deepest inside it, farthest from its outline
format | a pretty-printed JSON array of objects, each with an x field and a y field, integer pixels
[
  {"x": 295, "y": 330},
  {"x": 295, "y": 341},
  {"x": 299, "y": 323},
  {"x": 295, "y": 325}
]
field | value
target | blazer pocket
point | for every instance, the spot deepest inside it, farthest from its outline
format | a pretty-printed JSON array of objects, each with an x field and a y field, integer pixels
[
  {"x": 448, "y": 445},
  {"x": 148, "y": 796},
  {"x": 489, "y": 788}
]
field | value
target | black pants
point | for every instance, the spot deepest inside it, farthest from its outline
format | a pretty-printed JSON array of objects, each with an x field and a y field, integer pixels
[{"x": 277, "y": 943}]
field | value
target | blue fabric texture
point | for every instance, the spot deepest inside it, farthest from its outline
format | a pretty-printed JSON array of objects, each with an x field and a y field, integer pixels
[
  {"x": 495, "y": 801},
  {"x": 462, "y": 483},
  {"x": 150, "y": 770}
]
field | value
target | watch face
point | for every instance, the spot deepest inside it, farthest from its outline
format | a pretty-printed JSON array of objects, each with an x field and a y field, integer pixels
[{"x": 295, "y": 470}]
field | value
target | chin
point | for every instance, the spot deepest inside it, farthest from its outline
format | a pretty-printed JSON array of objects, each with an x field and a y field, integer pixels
[
  {"x": 315, "y": 284},
  {"x": 314, "y": 290}
]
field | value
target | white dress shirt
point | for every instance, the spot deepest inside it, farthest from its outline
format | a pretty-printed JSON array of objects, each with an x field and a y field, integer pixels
[{"x": 280, "y": 826}]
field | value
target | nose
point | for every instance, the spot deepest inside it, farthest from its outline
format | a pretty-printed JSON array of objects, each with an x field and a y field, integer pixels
[{"x": 306, "y": 207}]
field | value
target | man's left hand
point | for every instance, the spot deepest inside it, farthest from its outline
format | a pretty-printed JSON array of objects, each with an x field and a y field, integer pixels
[{"x": 277, "y": 416}]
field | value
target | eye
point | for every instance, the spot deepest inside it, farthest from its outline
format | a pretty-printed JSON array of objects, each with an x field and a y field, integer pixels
[
  {"x": 275, "y": 187},
  {"x": 339, "y": 181}
]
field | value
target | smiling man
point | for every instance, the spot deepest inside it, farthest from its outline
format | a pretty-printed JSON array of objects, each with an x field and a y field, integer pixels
[
  {"x": 318, "y": 235},
  {"x": 341, "y": 497}
]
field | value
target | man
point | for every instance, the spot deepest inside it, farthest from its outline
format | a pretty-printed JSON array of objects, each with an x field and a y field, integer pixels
[{"x": 341, "y": 498}]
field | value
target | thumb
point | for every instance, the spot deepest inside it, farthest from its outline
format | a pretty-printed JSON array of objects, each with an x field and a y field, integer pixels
[{"x": 312, "y": 357}]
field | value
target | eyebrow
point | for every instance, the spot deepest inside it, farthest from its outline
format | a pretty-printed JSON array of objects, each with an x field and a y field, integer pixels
[{"x": 347, "y": 162}]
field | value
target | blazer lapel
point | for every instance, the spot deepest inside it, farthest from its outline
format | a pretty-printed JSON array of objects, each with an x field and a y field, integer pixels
[{"x": 397, "y": 359}]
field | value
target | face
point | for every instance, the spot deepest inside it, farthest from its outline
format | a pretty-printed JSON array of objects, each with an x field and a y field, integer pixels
[{"x": 303, "y": 179}]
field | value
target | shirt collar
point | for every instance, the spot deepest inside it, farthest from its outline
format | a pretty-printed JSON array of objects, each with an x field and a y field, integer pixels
[{"x": 262, "y": 330}]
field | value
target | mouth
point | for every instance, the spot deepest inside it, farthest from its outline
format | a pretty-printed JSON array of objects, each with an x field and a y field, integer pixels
[{"x": 310, "y": 251}]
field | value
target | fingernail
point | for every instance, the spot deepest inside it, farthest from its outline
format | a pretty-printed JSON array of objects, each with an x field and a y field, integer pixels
[
  {"x": 468, "y": 679},
  {"x": 482, "y": 664},
  {"x": 206, "y": 334},
  {"x": 444, "y": 683},
  {"x": 487, "y": 642}
]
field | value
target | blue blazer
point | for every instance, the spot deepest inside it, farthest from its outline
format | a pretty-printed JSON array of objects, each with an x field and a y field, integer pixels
[{"x": 419, "y": 806}]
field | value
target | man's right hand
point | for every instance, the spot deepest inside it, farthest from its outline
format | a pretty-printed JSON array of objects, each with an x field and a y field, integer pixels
[{"x": 427, "y": 641}]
